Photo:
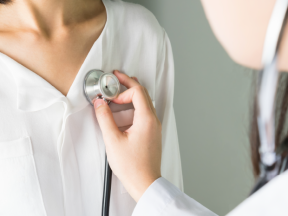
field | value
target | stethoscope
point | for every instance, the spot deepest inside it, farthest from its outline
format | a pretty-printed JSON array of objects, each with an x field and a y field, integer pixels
[
  {"x": 106, "y": 86},
  {"x": 273, "y": 161}
]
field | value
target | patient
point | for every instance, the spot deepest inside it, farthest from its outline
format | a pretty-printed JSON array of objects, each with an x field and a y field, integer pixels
[{"x": 51, "y": 147}]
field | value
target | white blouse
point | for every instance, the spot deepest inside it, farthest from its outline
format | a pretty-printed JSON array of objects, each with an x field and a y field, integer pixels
[{"x": 51, "y": 147}]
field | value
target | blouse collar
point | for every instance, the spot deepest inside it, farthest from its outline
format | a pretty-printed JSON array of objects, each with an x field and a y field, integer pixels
[{"x": 34, "y": 93}]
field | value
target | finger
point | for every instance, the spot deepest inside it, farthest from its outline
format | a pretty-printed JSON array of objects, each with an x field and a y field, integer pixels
[
  {"x": 137, "y": 96},
  {"x": 150, "y": 102},
  {"x": 130, "y": 82},
  {"x": 106, "y": 120},
  {"x": 125, "y": 80},
  {"x": 135, "y": 78}
]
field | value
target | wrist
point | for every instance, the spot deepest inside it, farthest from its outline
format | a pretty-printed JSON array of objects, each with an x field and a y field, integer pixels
[{"x": 137, "y": 189}]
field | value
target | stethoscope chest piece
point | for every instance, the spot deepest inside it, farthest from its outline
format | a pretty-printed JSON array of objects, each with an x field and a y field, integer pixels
[{"x": 98, "y": 84}]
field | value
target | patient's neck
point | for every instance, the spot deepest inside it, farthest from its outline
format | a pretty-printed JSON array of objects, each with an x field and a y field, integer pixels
[
  {"x": 48, "y": 17},
  {"x": 51, "y": 37}
]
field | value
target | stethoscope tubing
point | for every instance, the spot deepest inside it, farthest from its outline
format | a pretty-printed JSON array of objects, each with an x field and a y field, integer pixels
[
  {"x": 272, "y": 161},
  {"x": 106, "y": 188}
]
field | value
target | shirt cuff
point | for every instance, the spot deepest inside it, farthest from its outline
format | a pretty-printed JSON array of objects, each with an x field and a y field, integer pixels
[{"x": 156, "y": 198}]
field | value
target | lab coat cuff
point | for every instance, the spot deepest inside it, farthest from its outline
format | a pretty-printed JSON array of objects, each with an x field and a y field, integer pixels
[{"x": 156, "y": 198}]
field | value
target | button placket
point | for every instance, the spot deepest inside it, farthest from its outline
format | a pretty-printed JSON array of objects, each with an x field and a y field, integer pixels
[{"x": 69, "y": 167}]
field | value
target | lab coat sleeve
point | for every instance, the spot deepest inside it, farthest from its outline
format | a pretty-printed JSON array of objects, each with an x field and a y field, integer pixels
[
  {"x": 164, "y": 92},
  {"x": 164, "y": 199}
]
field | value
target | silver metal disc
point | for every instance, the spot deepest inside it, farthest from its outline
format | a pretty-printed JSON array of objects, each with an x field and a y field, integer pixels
[
  {"x": 109, "y": 86},
  {"x": 100, "y": 84}
]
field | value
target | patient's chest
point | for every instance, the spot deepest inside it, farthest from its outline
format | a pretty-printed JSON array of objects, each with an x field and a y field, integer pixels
[
  {"x": 51, "y": 147},
  {"x": 51, "y": 161}
]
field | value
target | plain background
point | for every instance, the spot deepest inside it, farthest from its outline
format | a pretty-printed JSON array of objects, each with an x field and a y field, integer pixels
[{"x": 212, "y": 101}]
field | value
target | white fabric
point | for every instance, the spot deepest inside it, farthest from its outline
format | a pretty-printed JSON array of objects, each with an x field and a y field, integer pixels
[
  {"x": 51, "y": 147},
  {"x": 164, "y": 199},
  {"x": 270, "y": 200}
]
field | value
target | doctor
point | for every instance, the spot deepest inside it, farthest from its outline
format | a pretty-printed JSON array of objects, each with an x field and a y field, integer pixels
[{"x": 135, "y": 155}]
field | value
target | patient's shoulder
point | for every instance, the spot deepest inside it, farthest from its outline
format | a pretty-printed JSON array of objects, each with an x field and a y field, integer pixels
[
  {"x": 137, "y": 14},
  {"x": 137, "y": 19}
]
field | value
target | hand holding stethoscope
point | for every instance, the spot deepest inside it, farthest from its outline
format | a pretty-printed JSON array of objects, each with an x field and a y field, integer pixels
[{"x": 135, "y": 154}]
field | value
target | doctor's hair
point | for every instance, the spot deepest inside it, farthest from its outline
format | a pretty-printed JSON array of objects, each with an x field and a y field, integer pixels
[
  {"x": 281, "y": 125},
  {"x": 4, "y": 1}
]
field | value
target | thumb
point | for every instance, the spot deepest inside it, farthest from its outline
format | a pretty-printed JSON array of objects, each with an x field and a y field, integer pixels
[{"x": 105, "y": 119}]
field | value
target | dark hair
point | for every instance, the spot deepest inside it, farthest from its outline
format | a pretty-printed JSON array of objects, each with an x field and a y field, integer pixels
[
  {"x": 4, "y": 1},
  {"x": 281, "y": 106}
]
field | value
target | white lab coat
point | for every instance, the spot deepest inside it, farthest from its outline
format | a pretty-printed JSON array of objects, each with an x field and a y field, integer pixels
[
  {"x": 51, "y": 147},
  {"x": 163, "y": 198}
]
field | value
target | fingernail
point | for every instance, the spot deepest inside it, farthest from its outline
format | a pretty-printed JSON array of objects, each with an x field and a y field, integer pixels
[
  {"x": 98, "y": 103},
  {"x": 116, "y": 71},
  {"x": 135, "y": 78}
]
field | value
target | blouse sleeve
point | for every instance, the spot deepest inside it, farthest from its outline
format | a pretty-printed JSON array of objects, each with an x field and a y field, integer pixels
[
  {"x": 164, "y": 199},
  {"x": 164, "y": 92}
]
